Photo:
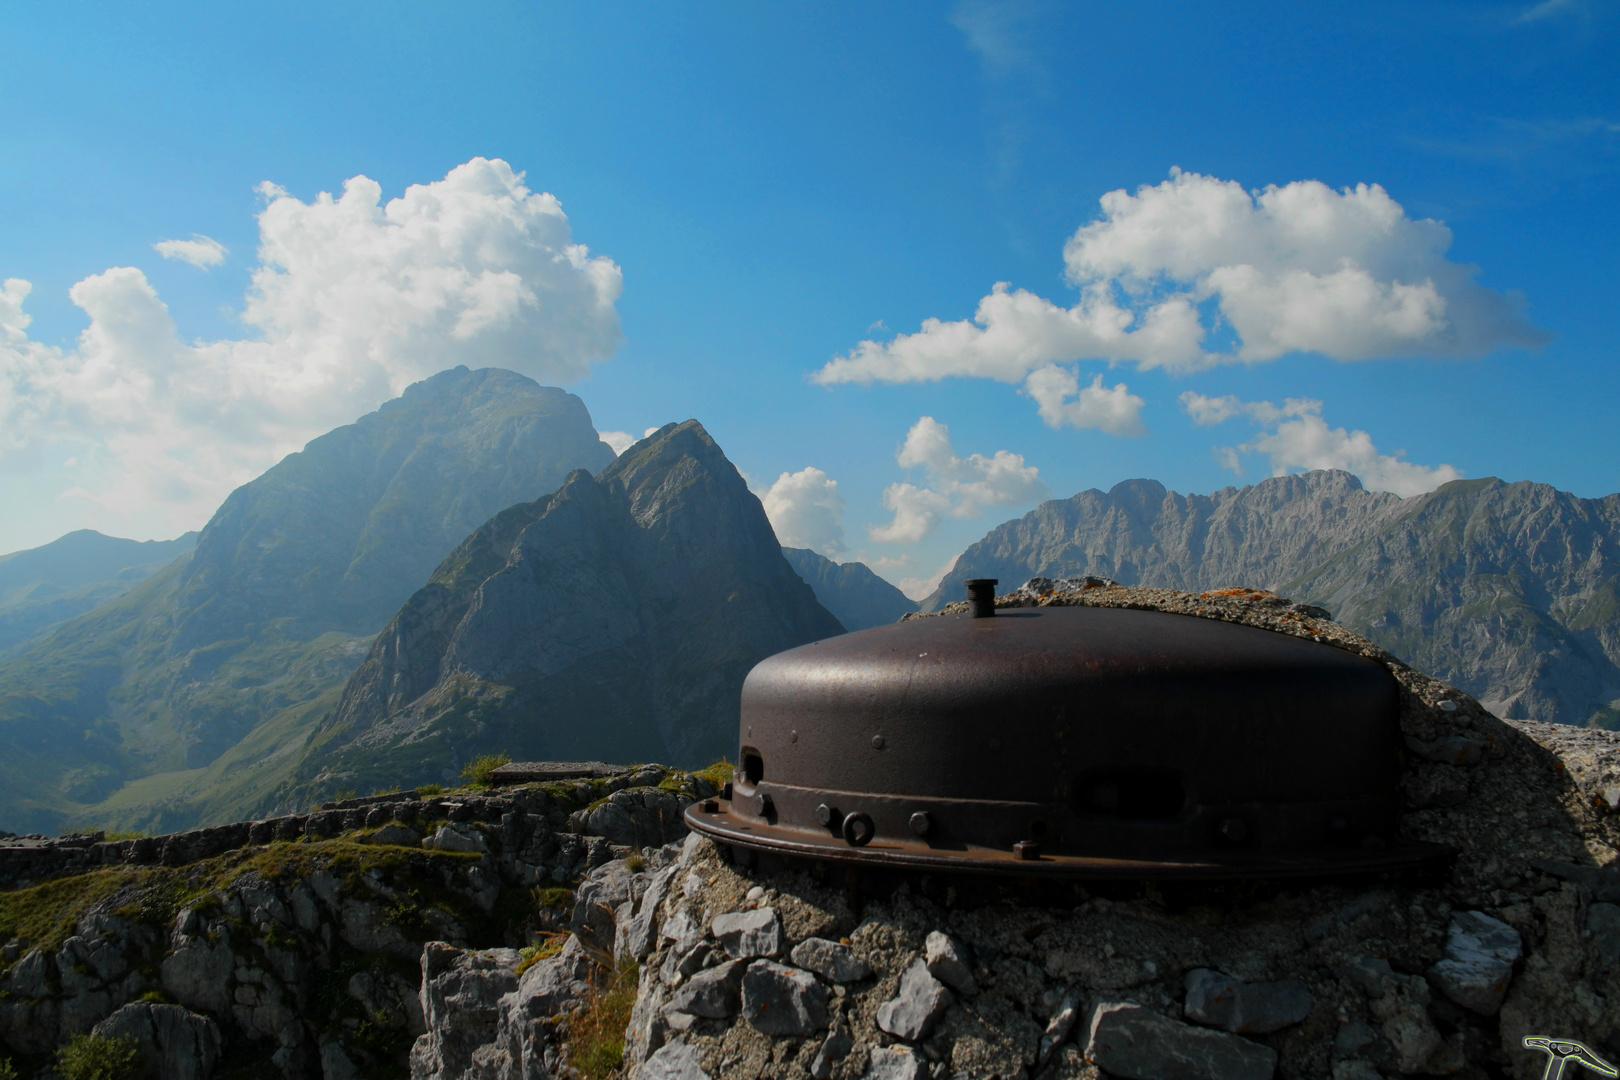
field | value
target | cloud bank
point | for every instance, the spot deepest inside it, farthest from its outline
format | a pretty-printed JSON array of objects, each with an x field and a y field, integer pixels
[
  {"x": 957, "y": 487},
  {"x": 352, "y": 300},
  {"x": 1196, "y": 272},
  {"x": 1294, "y": 436}
]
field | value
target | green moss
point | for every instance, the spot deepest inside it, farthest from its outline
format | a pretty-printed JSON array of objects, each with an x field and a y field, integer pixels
[{"x": 93, "y": 1057}]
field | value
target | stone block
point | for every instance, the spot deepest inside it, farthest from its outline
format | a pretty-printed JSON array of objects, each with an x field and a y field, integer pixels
[
  {"x": 896, "y": 1063},
  {"x": 950, "y": 962},
  {"x": 1245, "y": 1008},
  {"x": 714, "y": 993}
]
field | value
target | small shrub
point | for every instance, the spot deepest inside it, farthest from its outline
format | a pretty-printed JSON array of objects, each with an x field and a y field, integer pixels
[
  {"x": 635, "y": 863},
  {"x": 8, "y": 1071},
  {"x": 426, "y": 790},
  {"x": 547, "y": 947},
  {"x": 596, "y": 1032},
  {"x": 93, "y": 1057},
  {"x": 343, "y": 794},
  {"x": 114, "y": 835},
  {"x": 476, "y": 771}
]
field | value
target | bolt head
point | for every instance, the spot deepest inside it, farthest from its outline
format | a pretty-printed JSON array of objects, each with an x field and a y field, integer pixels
[
  {"x": 825, "y": 814},
  {"x": 920, "y": 823},
  {"x": 879, "y": 742},
  {"x": 1234, "y": 829},
  {"x": 1028, "y": 850}
]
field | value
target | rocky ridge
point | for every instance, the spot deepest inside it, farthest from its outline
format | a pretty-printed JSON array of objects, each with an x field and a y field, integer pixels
[
  {"x": 303, "y": 940},
  {"x": 1507, "y": 590}
]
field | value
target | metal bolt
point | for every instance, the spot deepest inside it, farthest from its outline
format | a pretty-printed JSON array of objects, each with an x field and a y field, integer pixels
[
  {"x": 711, "y": 806},
  {"x": 858, "y": 829},
  {"x": 1028, "y": 850},
  {"x": 920, "y": 823},
  {"x": 725, "y": 791},
  {"x": 825, "y": 814},
  {"x": 1234, "y": 829},
  {"x": 982, "y": 595},
  {"x": 793, "y": 736},
  {"x": 879, "y": 742}
]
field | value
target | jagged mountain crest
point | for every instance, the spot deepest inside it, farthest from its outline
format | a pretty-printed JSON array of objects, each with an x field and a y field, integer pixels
[
  {"x": 616, "y": 617},
  {"x": 1506, "y": 589}
]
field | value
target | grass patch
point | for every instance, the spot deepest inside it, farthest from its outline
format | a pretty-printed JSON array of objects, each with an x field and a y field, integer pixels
[
  {"x": 476, "y": 772},
  {"x": 596, "y": 1032},
  {"x": 429, "y": 790},
  {"x": 548, "y": 946},
  {"x": 8, "y": 1071},
  {"x": 45, "y": 914}
]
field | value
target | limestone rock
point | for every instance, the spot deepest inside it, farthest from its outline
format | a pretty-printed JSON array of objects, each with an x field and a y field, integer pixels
[
  {"x": 674, "y": 1061},
  {"x": 175, "y": 1044},
  {"x": 920, "y": 1000},
  {"x": 714, "y": 992},
  {"x": 1478, "y": 964},
  {"x": 897, "y": 1063},
  {"x": 1136, "y": 1043},
  {"x": 457, "y": 836},
  {"x": 782, "y": 1000},
  {"x": 949, "y": 961},
  {"x": 747, "y": 934},
  {"x": 834, "y": 1048},
  {"x": 831, "y": 960},
  {"x": 461, "y": 1003},
  {"x": 1245, "y": 1008}
]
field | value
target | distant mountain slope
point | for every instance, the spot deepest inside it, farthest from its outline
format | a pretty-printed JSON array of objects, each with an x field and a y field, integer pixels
[
  {"x": 278, "y": 602},
  {"x": 1506, "y": 590},
  {"x": 858, "y": 597},
  {"x": 70, "y": 575},
  {"x": 614, "y": 619}
]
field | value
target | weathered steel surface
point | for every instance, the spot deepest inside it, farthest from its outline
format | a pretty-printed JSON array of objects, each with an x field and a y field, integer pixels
[{"x": 1085, "y": 741}]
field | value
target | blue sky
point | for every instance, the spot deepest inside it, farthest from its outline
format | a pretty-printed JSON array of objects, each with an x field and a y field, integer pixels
[{"x": 776, "y": 186}]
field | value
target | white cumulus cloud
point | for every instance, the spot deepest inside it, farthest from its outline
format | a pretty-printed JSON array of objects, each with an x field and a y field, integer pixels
[
  {"x": 200, "y": 251},
  {"x": 1113, "y": 409},
  {"x": 1300, "y": 439},
  {"x": 620, "y": 441},
  {"x": 806, "y": 511},
  {"x": 352, "y": 300},
  {"x": 1197, "y": 271},
  {"x": 957, "y": 487}
]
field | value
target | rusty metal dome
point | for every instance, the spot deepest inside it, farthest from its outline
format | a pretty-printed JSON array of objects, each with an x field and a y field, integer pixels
[{"x": 1073, "y": 741}]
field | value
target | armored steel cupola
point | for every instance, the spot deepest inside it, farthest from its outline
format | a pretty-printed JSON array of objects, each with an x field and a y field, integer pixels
[{"x": 1081, "y": 741}]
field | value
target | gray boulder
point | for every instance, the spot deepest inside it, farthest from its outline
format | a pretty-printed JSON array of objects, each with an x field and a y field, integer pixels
[
  {"x": 897, "y": 1063},
  {"x": 782, "y": 1000},
  {"x": 920, "y": 1000},
  {"x": 674, "y": 1061},
  {"x": 1478, "y": 963},
  {"x": 714, "y": 993},
  {"x": 461, "y": 1004},
  {"x": 1245, "y": 1008},
  {"x": 747, "y": 934},
  {"x": 950, "y": 962},
  {"x": 831, "y": 960},
  {"x": 1129, "y": 1041},
  {"x": 175, "y": 1043}
]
